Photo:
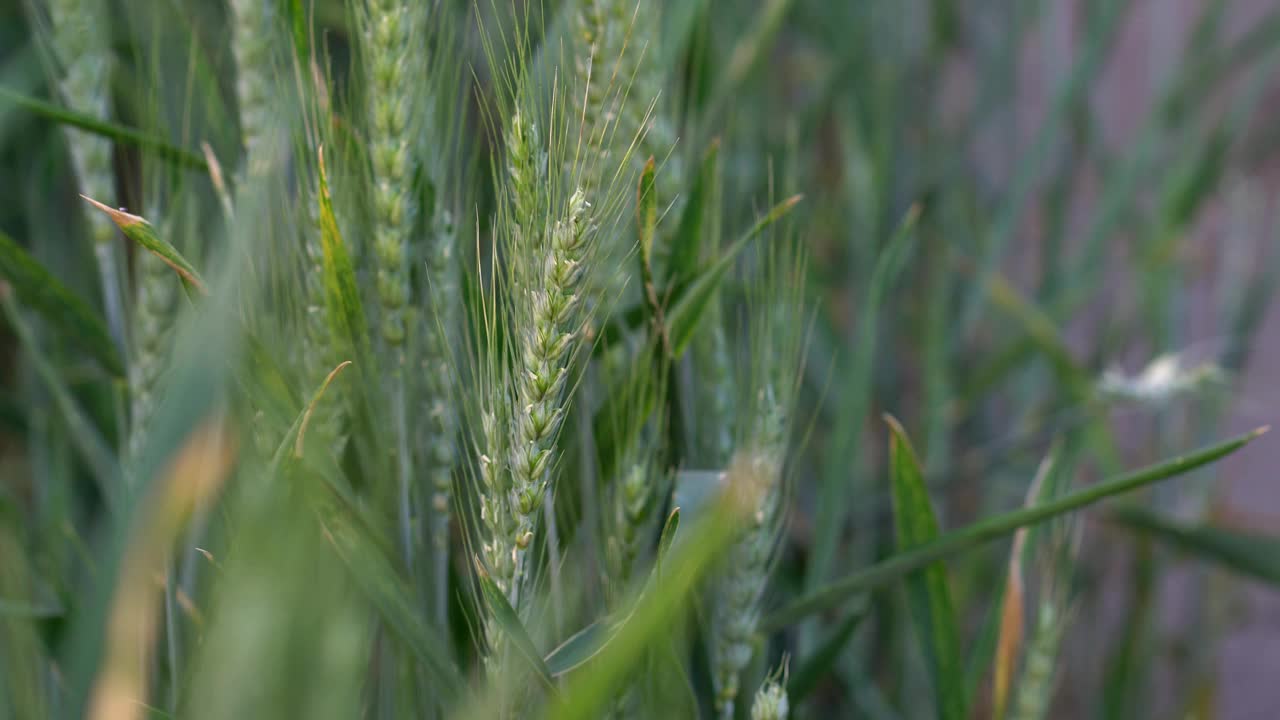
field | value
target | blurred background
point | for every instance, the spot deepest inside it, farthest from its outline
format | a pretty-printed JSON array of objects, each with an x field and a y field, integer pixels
[{"x": 1094, "y": 263}]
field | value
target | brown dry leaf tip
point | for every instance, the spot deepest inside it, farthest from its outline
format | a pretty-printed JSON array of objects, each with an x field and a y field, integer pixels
[
  {"x": 1260, "y": 432},
  {"x": 215, "y": 168},
  {"x": 121, "y": 218},
  {"x": 306, "y": 416}
]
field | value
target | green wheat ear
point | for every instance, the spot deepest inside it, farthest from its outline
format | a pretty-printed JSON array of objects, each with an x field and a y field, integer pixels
[
  {"x": 755, "y": 472},
  {"x": 80, "y": 44},
  {"x": 251, "y": 42}
]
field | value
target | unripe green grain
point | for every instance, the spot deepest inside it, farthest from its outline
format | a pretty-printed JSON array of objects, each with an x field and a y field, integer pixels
[
  {"x": 251, "y": 37},
  {"x": 616, "y": 62},
  {"x": 152, "y": 333},
  {"x": 389, "y": 29},
  {"x": 549, "y": 331},
  {"x": 755, "y": 473},
  {"x": 81, "y": 39}
]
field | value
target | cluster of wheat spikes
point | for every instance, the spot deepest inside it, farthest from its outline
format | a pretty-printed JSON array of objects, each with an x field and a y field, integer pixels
[{"x": 467, "y": 393}]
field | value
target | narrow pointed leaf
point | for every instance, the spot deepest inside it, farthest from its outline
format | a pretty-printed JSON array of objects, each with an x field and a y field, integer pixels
[
  {"x": 953, "y": 543},
  {"x": 510, "y": 623},
  {"x": 343, "y": 307},
  {"x": 377, "y": 579},
  {"x": 84, "y": 435},
  {"x": 589, "y": 641},
  {"x": 686, "y": 246},
  {"x": 668, "y": 536},
  {"x": 1251, "y": 554},
  {"x": 37, "y": 288},
  {"x": 932, "y": 611},
  {"x": 579, "y": 648},
  {"x": 98, "y": 126},
  {"x": 647, "y": 228},
  {"x": 691, "y": 303},
  {"x": 834, "y": 493},
  {"x": 292, "y": 445},
  {"x": 140, "y": 231}
]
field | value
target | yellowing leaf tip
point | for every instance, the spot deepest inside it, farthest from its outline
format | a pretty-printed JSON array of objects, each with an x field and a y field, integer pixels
[{"x": 121, "y": 218}]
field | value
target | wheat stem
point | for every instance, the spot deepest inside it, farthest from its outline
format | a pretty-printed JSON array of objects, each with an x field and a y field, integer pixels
[
  {"x": 79, "y": 42},
  {"x": 251, "y": 36}
]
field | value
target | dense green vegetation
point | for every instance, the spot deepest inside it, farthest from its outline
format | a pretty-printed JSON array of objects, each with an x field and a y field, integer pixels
[{"x": 582, "y": 358}]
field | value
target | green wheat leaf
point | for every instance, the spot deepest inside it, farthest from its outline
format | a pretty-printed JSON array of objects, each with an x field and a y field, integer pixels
[
  {"x": 958, "y": 541},
  {"x": 932, "y": 611},
  {"x": 140, "y": 231},
  {"x": 37, "y": 288}
]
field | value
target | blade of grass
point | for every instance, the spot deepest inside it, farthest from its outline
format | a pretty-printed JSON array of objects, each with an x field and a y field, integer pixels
[
  {"x": 84, "y": 436},
  {"x": 140, "y": 231},
  {"x": 1251, "y": 554},
  {"x": 958, "y": 541},
  {"x": 589, "y": 641},
  {"x": 692, "y": 301},
  {"x": 932, "y": 611},
  {"x": 292, "y": 445},
  {"x": 92, "y": 124},
  {"x": 37, "y": 288},
  {"x": 686, "y": 245},
  {"x": 837, "y": 486},
  {"x": 511, "y": 625}
]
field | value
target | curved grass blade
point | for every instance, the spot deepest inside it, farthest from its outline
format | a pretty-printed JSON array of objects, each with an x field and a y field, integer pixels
[
  {"x": 589, "y": 641},
  {"x": 959, "y": 541},
  {"x": 932, "y": 611},
  {"x": 692, "y": 300},
  {"x": 668, "y": 536},
  {"x": 140, "y": 231},
  {"x": 836, "y": 489},
  {"x": 94, "y": 125},
  {"x": 342, "y": 295},
  {"x": 382, "y": 586},
  {"x": 591, "y": 689},
  {"x": 511, "y": 625},
  {"x": 292, "y": 445},
  {"x": 37, "y": 288},
  {"x": 84, "y": 436},
  {"x": 647, "y": 227},
  {"x": 356, "y": 546},
  {"x": 578, "y": 648},
  {"x": 686, "y": 246},
  {"x": 1251, "y": 554}
]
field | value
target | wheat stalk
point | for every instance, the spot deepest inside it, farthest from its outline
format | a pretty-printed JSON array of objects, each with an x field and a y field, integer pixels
[
  {"x": 79, "y": 42},
  {"x": 155, "y": 292},
  {"x": 389, "y": 30},
  {"x": 251, "y": 37}
]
